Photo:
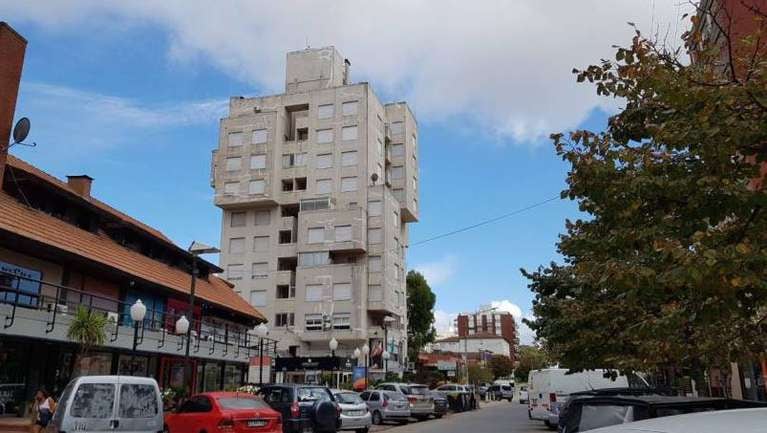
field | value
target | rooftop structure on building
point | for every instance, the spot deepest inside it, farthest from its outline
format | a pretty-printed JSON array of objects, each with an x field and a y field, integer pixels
[
  {"x": 317, "y": 186},
  {"x": 488, "y": 322}
]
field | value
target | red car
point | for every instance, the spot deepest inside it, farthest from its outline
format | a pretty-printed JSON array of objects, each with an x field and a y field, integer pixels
[{"x": 234, "y": 412}]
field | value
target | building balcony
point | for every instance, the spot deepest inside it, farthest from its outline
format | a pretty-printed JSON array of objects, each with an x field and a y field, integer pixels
[
  {"x": 344, "y": 230},
  {"x": 285, "y": 278},
  {"x": 234, "y": 201},
  {"x": 288, "y": 223},
  {"x": 48, "y": 317}
]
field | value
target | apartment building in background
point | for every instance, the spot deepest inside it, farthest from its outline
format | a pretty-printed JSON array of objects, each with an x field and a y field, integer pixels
[
  {"x": 482, "y": 328},
  {"x": 317, "y": 186}
]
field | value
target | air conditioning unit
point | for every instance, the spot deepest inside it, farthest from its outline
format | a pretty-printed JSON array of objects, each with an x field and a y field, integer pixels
[
  {"x": 113, "y": 317},
  {"x": 60, "y": 308}
]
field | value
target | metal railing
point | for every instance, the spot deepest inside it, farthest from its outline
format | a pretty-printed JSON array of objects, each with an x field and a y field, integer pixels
[{"x": 30, "y": 294}]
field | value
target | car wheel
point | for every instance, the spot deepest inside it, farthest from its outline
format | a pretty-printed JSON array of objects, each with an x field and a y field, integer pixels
[
  {"x": 363, "y": 430},
  {"x": 377, "y": 418},
  {"x": 438, "y": 416}
]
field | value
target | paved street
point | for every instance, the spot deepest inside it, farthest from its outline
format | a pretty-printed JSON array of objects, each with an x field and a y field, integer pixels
[{"x": 492, "y": 418}]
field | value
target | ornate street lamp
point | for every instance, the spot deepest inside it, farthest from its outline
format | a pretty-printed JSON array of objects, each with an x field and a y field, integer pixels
[
  {"x": 261, "y": 332},
  {"x": 137, "y": 314},
  {"x": 333, "y": 345}
]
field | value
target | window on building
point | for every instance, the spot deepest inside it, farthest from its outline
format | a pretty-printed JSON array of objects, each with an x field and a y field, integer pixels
[
  {"x": 380, "y": 146},
  {"x": 326, "y": 111},
  {"x": 260, "y": 136},
  {"x": 415, "y": 205},
  {"x": 286, "y": 237},
  {"x": 238, "y": 219},
  {"x": 258, "y": 298},
  {"x": 315, "y": 204},
  {"x": 282, "y": 320},
  {"x": 257, "y": 186},
  {"x": 316, "y": 235},
  {"x": 309, "y": 260},
  {"x": 261, "y": 243},
  {"x": 397, "y": 127},
  {"x": 257, "y": 162},
  {"x": 375, "y": 293},
  {"x": 324, "y": 186},
  {"x": 349, "y": 108},
  {"x": 313, "y": 322},
  {"x": 234, "y": 139},
  {"x": 293, "y": 160},
  {"x": 302, "y": 134},
  {"x": 375, "y": 236},
  {"x": 349, "y": 133},
  {"x": 343, "y": 233},
  {"x": 314, "y": 292},
  {"x": 349, "y": 159},
  {"x": 324, "y": 136},
  {"x": 398, "y": 193},
  {"x": 260, "y": 270},
  {"x": 287, "y": 185},
  {"x": 237, "y": 245},
  {"x": 395, "y": 218},
  {"x": 342, "y": 292},
  {"x": 397, "y": 172},
  {"x": 233, "y": 164},
  {"x": 263, "y": 218},
  {"x": 342, "y": 321},
  {"x": 348, "y": 184},
  {"x": 415, "y": 183},
  {"x": 398, "y": 150},
  {"x": 234, "y": 271},
  {"x": 285, "y": 291},
  {"x": 374, "y": 263},
  {"x": 300, "y": 184},
  {"x": 325, "y": 160},
  {"x": 375, "y": 208},
  {"x": 232, "y": 188},
  {"x": 396, "y": 272}
]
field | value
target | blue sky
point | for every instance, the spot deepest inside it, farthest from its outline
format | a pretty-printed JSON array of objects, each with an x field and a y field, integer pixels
[{"x": 131, "y": 95}]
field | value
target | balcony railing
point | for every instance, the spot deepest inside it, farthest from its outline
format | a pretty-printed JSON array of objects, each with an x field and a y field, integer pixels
[{"x": 54, "y": 303}]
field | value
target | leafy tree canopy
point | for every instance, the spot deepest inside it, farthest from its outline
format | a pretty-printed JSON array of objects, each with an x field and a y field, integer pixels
[
  {"x": 669, "y": 266},
  {"x": 530, "y": 358},
  {"x": 501, "y": 366},
  {"x": 420, "y": 310}
]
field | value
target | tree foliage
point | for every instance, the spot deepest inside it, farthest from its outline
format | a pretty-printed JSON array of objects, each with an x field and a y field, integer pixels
[
  {"x": 88, "y": 329},
  {"x": 420, "y": 311},
  {"x": 669, "y": 266},
  {"x": 480, "y": 374},
  {"x": 529, "y": 358},
  {"x": 501, "y": 366}
]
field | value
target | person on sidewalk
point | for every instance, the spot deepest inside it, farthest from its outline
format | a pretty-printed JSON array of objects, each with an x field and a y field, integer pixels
[{"x": 43, "y": 408}]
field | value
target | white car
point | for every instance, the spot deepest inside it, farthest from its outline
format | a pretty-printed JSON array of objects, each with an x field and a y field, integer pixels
[
  {"x": 523, "y": 395},
  {"x": 354, "y": 411},
  {"x": 722, "y": 421}
]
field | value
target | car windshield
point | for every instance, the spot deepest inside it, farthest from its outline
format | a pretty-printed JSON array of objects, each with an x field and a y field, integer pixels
[
  {"x": 395, "y": 396},
  {"x": 234, "y": 403},
  {"x": 308, "y": 394},
  {"x": 348, "y": 398},
  {"x": 416, "y": 390}
]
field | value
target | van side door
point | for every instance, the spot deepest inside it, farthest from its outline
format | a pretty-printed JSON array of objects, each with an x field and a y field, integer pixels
[{"x": 138, "y": 408}]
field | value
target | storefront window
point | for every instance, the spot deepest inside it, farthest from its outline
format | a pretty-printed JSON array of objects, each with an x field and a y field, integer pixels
[
  {"x": 133, "y": 365},
  {"x": 93, "y": 364},
  {"x": 212, "y": 377},
  {"x": 12, "y": 378},
  {"x": 232, "y": 377}
]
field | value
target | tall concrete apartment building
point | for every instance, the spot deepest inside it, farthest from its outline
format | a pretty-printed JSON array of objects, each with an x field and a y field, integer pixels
[{"x": 317, "y": 186}]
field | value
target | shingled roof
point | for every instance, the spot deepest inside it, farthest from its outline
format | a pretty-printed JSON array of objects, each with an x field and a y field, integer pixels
[{"x": 39, "y": 226}]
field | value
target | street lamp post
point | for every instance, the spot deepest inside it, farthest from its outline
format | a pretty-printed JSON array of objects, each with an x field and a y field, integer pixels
[
  {"x": 333, "y": 345},
  {"x": 387, "y": 321},
  {"x": 261, "y": 331},
  {"x": 137, "y": 314},
  {"x": 196, "y": 248},
  {"x": 366, "y": 352}
]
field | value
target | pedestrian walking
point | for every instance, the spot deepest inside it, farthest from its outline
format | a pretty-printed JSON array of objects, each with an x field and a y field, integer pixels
[{"x": 43, "y": 408}]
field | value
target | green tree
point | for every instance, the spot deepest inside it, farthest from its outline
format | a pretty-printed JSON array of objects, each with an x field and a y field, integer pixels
[
  {"x": 529, "y": 358},
  {"x": 668, "y": 267},
  {"x": 88, "y": 329},
  {"x": 480, "y": 374},
  {"x": 420, "y": 311},
  {"x": 501, "y": 366}
]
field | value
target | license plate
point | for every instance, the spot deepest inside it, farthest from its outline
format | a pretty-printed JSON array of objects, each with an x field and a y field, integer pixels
[
  {"x": 256, "y": 423},
  {"x": 308, "y": 430}
]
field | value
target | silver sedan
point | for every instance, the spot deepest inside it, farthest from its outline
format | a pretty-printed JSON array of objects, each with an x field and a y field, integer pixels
[{"x": 354, "y": 412}]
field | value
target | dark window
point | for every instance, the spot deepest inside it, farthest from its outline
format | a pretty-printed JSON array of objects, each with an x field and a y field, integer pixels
[
  {"x": 365, "y": 395},
  {"x": 301, "y": 184},
  {"x": 284, "y": 319},
  {"x": 287, "y": 184},
  {"x": 286, "y": 236},
  {"x": 303, "y": 134},
  {"x": 241, "y": 403},
  {"x": 285, "y": 291},
  {"x": 375, "y": 396}
]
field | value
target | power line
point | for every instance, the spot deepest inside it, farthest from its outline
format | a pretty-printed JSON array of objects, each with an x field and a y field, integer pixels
[{"x": 485, "y": 222}]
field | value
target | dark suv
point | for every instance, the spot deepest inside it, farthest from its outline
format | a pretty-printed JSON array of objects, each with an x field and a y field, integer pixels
[{"x": 304, "y": 408}]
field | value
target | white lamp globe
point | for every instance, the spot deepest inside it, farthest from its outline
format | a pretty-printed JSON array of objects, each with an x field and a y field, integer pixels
[
  {"x": 365, "y": 349},
  {"x": 357, "y": 353},
  {"x": 138, "y": 311},
  {"x": 386, "y": 354},
  {"x": 333, "y": 344},
  {"x": 262, "y": 330},
  {"x": 182, "y": 325}
]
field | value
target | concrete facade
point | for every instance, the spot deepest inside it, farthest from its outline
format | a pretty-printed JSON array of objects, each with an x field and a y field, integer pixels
[{"x": 317, "y": 186}]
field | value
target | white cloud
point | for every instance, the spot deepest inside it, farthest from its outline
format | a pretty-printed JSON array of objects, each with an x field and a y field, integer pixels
[
  {"x": 438, "y": 272},
  {"x": 91, "y": 121},
  {"x": 444, "y": 323},
  {"x": 501, "y": 65}
]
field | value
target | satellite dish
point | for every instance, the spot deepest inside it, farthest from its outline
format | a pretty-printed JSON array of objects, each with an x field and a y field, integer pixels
[
  {"x": 21, "y": 130},
  {"x": 374, "y": 178}
]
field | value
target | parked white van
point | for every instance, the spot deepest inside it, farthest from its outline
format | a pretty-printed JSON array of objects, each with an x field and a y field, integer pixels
[
  {"x": 109, "y": 404},
  {"x": 548, "y": 390}
]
